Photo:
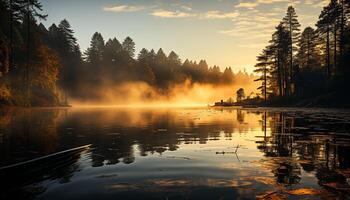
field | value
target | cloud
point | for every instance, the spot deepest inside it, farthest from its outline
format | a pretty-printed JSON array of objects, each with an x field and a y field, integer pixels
[
  {"x": 249, "y": 5},
  {"x": 251, "y": 28},
  {"x": 271, "y": 1},
  {"x": 320, "y": 4},
  {"x": 171, "y": 14},
  {"x": 246, "y": 34},
  {"x": 123, "y": 8},
  {"x": 252, "y": 5},
  {"x": 186, "y": 8},
  {"x": 214, "y": 14}
]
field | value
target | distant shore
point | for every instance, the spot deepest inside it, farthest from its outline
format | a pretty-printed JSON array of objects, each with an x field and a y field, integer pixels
[{"x": 316, "y": 102}]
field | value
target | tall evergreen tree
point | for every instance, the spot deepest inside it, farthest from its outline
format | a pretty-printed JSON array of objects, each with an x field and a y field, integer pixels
[
  {"x": 94, "y": 54},
  {"x": 160, "y": 57},
  {"x": 112, "y": 50},
  {"x": 280, "y": 47},
  {"x": 290, "y": 21},
  {"x": 68, "y": 41},
  {"x": 174, "y": 59},
  {"x": 263, "y": 68},
  {"x": 308, "y": 57},
  {"x": 324, "y": 28},
  {"x": 335, "y": 15},
  {"x": 129, "y": 46},
  {"x": 227, "y": 76}
]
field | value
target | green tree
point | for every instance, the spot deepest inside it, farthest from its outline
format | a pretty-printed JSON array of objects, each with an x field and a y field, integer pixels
[
  {"x": 129, "y": 46},
  {"x": 160, "y": 57},
  {"x": 112, "y": 50},
  {"x": 94, "y": 54},
  {"x": 143, "y": 55},
  {"x": 174, "y": 59},
  {"x": 66, "y": 37}
]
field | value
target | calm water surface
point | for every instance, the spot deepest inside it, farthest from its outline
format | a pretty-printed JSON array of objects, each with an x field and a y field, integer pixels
[{"x": 179, "y": 153}]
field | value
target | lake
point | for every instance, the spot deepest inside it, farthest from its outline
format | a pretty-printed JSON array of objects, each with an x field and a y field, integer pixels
[{"x": 178, "y": 153}]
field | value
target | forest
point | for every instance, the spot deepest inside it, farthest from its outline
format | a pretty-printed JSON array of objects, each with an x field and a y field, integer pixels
[
  {"x": 43, "y": 66},
  {"x": 308, "y": 67}
]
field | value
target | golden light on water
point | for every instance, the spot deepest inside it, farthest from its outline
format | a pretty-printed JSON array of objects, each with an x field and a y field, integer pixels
[{"x": 138, "y": 94}]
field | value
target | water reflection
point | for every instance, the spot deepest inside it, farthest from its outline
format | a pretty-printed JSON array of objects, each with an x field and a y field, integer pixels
[{"x": 179, "y": 153}]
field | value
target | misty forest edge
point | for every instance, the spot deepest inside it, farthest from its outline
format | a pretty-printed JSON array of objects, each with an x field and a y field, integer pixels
[{"x": 42, "y": 67}]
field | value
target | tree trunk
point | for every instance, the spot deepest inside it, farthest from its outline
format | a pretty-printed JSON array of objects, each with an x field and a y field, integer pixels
[
  {"x": 279, "y": 74},
  {"x": 11, "y": 36},
  {"x": 289, "y": 81},
  {"x": 335, "y": 48},
  {"x": 65, "y": 97},
  {"x": 308, "y": 51},
  {"x": 265, "y": 83},
  {"x": 342, "y": 24},
  {"x": 328, "y": 55},
  {"x": 27, "y": 81}
]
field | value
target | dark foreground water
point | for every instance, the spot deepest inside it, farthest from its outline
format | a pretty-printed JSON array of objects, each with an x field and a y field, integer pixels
[{"x": 179, "y": 153}]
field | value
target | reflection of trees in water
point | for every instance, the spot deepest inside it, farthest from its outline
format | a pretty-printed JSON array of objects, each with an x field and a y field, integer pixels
[
  {"x": 287, "y": 172},
  {"x": 292, "y": 145},
  {"x": 240, "y": 116},
  {"x": 116, "y": 135},
  {"x": 114, "y": 141},
  {"x": 22, "y": 184},
  {"x": 27, "y": 133}
]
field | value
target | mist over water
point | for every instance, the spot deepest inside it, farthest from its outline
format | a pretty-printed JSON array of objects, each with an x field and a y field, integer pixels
[{"x": 144, "y": 94}]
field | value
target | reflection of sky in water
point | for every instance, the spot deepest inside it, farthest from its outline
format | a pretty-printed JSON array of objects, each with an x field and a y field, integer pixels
[{"x": 181, "y": 153}]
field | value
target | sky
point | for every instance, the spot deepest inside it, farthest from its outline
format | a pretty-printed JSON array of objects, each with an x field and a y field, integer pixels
[{"x": 228, "y": 33}]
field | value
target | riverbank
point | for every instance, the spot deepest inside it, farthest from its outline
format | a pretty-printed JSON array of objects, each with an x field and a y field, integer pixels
[{"x": 324, "y": 101}]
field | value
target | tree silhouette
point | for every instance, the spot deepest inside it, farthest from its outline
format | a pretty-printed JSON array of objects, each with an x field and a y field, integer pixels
[
  {"x": 280, "y": 47},
  {"x": 129, "y": 46},
  {"x": 263, "y": 68},
  {"x": 324, "y": 28},
  {"x": 94, "y": 54},
  {"x": 308, "y": 54},
  {"x": 290, "y": 21}
]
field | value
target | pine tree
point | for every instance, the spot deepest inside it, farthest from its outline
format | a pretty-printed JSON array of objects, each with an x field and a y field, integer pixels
[
  {"x": 308, "y": 53},
  {"x": 203, "y": 66},
  {"x": 227, "y": 76},
  {"x": 129, "y": 46},
  {"x": 335, "y": 15},
  {"x": 143, "y": 56},
  {"x": 263, "y": 68},
  {"x": 160, "y": 57},
  {"x": 291, "y": 24},
  {"x": 68, "y": 41},
  {"x": 174, "y": 59},
  {"x": 324, "y": 28},
  {"x": 30, "y": 11},
  {"x": 94, "y": 54},
  {"x": 280, "y": 47},
  {"x": 65, "y": 44},
  {"x": 112, "y": 49}
]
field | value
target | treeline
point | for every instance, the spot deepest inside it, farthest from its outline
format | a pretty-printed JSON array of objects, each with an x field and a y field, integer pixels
[
  {"x": 42, "y": 66},
  {"x": 113, "y": 62},
  {"x": 310, "y": 63}
]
